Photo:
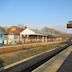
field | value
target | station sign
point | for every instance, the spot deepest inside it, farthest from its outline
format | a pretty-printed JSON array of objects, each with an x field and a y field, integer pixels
[{"x": 69, "y": 25}]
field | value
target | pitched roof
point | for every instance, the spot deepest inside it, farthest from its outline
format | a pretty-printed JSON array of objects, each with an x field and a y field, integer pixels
[
  {"x": 14, "y": 30},
  {"x": 2, "y": 30},
  {"x": 44, "y": 33},
  {"x": 37, "y": 32}
]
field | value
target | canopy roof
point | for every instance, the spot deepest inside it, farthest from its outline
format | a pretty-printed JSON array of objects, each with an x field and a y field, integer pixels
[{"x": 29, "y": 31}]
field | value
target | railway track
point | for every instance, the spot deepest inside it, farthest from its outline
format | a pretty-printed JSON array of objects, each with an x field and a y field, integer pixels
[
  {"x": 33, "y": 63},
  {"x": 62, "y": 62}
]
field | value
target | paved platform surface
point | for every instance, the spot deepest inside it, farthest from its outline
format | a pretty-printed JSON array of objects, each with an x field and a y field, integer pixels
[
  {"x": 67, "y": 65},
  {"x": 60, "y": 63}
]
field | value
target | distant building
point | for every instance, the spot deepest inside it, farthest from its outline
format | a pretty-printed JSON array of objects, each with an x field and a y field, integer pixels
[
  {"x": 3, "y": 33},
  {"x": 14, "y": 35}
]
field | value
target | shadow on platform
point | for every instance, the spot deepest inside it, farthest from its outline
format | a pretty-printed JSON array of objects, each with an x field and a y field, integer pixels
[
  {"x": 1, "y": 65},
  {"x": 67, "y": 65}
]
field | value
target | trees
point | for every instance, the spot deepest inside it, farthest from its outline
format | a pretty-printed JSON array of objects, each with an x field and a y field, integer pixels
[{"x": 21, "y": 26}]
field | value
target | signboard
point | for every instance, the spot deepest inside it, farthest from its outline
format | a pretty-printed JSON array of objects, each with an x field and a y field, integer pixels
[{"x": 69, "y": 25}]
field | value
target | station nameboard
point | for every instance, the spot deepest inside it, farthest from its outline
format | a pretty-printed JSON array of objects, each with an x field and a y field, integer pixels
[{"x": 69, "y": 25}]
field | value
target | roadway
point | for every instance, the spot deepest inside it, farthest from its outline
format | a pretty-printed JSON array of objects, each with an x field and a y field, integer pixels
[{"x": 62, "y": 62}]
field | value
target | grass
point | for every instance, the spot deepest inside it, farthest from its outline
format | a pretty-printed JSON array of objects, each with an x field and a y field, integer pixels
[
  {"x": 14, "y": 48},
  {"x": 13, "y": 57}
]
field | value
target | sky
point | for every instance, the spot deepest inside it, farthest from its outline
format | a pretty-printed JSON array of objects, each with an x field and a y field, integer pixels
[{"x": 36, "y": 13}]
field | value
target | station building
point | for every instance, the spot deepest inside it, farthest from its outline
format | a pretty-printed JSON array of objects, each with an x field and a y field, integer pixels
[
  {"x": 30, "y": 35},
  {"x": 16, "y": 35}
]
